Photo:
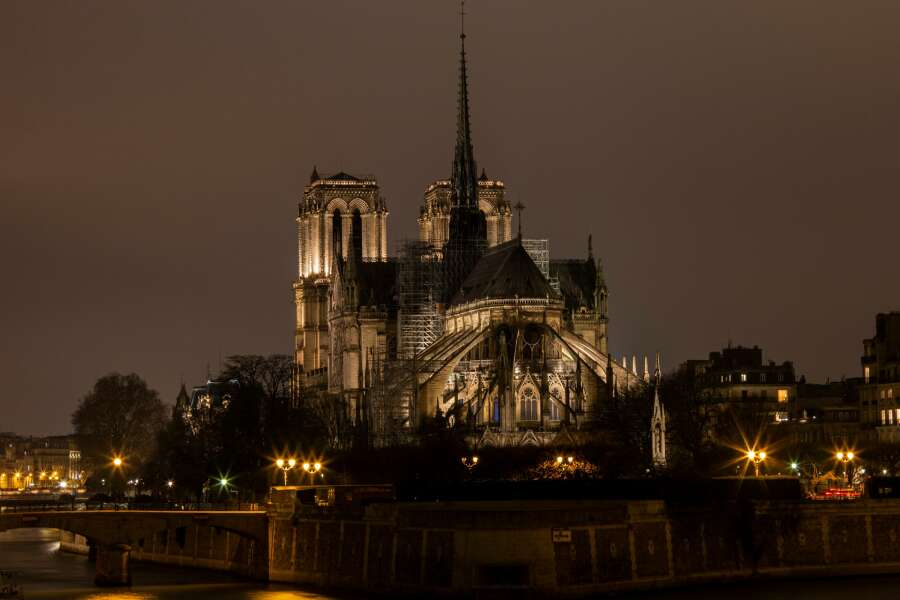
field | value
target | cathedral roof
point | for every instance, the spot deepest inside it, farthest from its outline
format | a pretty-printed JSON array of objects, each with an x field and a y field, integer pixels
[
  {"x": 577, "y": 282},
  {"x": 505, "y": 271},
  {"x": 341, "y": 176}
]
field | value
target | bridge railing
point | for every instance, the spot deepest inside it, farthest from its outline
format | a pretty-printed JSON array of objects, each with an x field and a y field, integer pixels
[{"x": 22, "y": 507}]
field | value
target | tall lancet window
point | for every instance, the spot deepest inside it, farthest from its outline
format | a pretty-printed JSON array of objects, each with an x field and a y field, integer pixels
[
  {"x": 356, "y": 234},
  {"x": 528, "y": 405},
  {"x": 337, "y": 239}
]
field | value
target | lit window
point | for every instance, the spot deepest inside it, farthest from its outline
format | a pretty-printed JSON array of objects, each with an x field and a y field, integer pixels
[
  {"x": 554, "y": 404},
  {"x": 882, "y": 394},
  {"x": 890, "y": 417},
  {"x": 897, "y": 411},
  {"x": 743, "y": 378},
  {"x": 890, "y": 393},
  {"x": 866, "y": 374},
  {"x": 782, "y": 395},
  {"x": 762, "y": 377},
  {"x": 528, "y": 406}
]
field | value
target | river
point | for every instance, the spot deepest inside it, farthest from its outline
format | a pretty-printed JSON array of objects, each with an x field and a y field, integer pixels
[{"x": 47, "y": 573}]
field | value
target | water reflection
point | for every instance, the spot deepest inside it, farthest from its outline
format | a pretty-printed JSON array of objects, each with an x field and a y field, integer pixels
[{"x": 47, "y": 573}]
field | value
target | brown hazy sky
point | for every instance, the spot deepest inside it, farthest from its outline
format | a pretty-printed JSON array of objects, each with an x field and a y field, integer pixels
[{"x": 736, "y": 163}]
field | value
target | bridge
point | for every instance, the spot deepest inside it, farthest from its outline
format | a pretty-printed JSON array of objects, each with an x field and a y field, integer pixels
[{"x": 111, "y": 535}]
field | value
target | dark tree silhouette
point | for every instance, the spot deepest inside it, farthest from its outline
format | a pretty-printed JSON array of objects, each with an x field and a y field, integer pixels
[{"x": 119, "y": 416}]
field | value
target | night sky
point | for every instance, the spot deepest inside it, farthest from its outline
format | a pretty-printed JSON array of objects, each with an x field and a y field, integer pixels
[{"x": 736, "y": 163}]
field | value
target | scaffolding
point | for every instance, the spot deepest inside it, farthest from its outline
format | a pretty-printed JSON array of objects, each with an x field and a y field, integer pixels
[
  {"x": 419, "y": 323},
  {"x": 539, "y": 251}
]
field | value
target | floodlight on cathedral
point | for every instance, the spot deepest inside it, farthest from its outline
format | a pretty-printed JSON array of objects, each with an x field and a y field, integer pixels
[{"x": 470, "y": 320}]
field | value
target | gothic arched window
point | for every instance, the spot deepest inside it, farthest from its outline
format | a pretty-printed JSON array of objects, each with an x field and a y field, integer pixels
[
  {"x": 356, "y": 233},
  {"x": 556, "y": 401},
  {"x": 528, "y": 405},
  {"x": 337, "y": 239}
]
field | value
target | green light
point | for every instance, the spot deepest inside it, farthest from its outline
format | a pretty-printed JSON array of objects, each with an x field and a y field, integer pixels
[{"x": 794, "y": 466}]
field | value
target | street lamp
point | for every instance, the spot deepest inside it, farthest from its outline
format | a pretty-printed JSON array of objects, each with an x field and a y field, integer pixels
[
  {"x": 312, "y": 468},
  {"x": 285, "y": 466},
  {"x": 470, "y": 462},
  {"x": 845, "y": 457},
  {"x": 756, "y": 458}
]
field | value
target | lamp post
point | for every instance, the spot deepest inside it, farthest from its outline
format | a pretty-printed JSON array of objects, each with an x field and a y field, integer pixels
[
  {"x": 470, "y": 462},
  {"x": 285, "y": 466},
  {"x": 845, "y": 457},
  {"x": 756, "y": 458},
  {"x": 117, "y": 463},
  {"x": 312, "y": 469}
]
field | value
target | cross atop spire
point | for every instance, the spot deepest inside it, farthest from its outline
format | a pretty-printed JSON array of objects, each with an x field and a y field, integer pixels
[{"x": 462, "y": 18}]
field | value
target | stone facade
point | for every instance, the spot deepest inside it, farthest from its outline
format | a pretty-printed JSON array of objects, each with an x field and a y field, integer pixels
[
  {"x": 519, "y": 350},
  {"x": 574, "y": 548},
  {"x": 434, "y": 215},
  {"x": 879, "y": 394}
]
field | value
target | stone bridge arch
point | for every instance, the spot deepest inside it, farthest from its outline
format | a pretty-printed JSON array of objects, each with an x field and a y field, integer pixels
[{"x": 113, "y": 535}]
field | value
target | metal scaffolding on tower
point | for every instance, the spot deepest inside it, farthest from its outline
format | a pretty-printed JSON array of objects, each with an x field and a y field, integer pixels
[{"x": 421, "y": 280}]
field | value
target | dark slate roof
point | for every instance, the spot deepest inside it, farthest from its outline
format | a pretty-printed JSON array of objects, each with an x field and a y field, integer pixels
[
  {"x": 505, "y": 271},
  {"x": 577, "y": 282},
  {"x": 344, "y": 176}
]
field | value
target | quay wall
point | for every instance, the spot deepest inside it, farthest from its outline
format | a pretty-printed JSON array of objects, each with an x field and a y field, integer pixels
[
  {"x": 575, "y": 548},
  {"x": 552, "y": 548},
  {"x": 199, "y": 546}
]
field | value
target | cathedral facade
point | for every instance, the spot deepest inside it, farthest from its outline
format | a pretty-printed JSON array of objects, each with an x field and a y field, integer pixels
[{"x": 470, "y": 323}]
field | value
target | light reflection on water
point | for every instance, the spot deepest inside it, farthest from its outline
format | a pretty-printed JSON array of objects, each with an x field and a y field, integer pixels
[{"x": 47, "y": 573}]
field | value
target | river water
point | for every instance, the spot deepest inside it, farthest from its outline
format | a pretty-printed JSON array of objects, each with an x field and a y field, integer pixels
[
  {"x": 44, "y": 572},
  {"x": 47, "y": 573}
]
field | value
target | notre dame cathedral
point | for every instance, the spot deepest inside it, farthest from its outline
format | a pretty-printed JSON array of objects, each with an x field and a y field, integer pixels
[{"x": 468, "y": 322}]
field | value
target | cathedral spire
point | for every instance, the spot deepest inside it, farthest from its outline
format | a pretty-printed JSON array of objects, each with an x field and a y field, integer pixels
[
  {"x": 467, "y": 236},
  {"x": 465, "y": 182}
]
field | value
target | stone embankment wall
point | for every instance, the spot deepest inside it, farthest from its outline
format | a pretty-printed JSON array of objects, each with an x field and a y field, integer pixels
[
  {"x": 574, "y": 548},
  {"x": 196, "y": 546}
]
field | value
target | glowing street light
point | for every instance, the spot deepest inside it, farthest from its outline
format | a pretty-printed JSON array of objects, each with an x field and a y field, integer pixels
[
  {"x": 312, "y": 468},
  {"x": 117, "y": 461},
  {"x": 756, "y": 457},
  {"x": 285, "y": 466},
  {"x": 844, "y": 457},
  {"x": 470, "y": 462},
  {"x": 170, "y": 484}
]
